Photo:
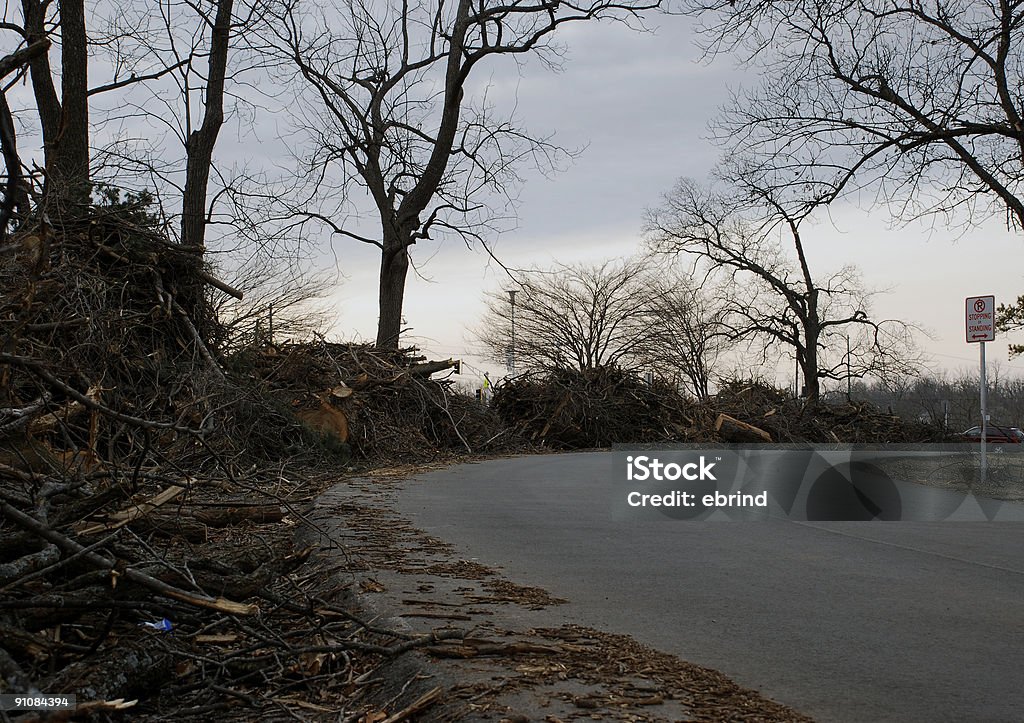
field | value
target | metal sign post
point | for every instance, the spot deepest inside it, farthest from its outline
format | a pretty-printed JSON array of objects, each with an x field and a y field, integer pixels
[
  {"x": 980, "y": 321},
  {"x": 984, "y": 416}
]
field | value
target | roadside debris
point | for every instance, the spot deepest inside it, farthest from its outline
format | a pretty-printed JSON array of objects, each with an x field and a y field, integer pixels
[
  {"x": 154, "y": 471},
  {"x": 566, "y": 409}
]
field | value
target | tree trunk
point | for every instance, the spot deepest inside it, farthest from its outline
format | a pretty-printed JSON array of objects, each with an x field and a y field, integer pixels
[
  {"x": 394, "y": 267},
  {"x": 64, "y": 122},
  {"x": 69, "y": 174},
  {"x": 201, "y": 142},
  {"x": 401, "y": 224},
  {"x": 199, "y": 160},
  {"x": 812, "y": 383},
  {"x": 47, "y": 101},
  {"x": 16, "y": 204}
]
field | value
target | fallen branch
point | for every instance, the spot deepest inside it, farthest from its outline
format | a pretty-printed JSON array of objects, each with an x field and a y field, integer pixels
[
  {"x": 428, "y": 368},
  {"x": 39, "y": 368},
  {"x": 123, "y": 517},
  {"x": 733, "y": 430},
  {"x": 474, "y": 648},
  {"x": 219, "y": 604}
]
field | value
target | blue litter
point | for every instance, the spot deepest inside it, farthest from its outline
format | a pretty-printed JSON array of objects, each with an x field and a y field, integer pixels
[{"x": 163, "y": 625}]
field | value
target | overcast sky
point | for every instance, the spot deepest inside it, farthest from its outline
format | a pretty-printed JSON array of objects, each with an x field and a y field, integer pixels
[{"x": 641, "y": 103}]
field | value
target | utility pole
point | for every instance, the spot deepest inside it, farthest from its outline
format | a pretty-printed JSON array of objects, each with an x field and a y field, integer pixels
[{"x": 849, "y": 375}]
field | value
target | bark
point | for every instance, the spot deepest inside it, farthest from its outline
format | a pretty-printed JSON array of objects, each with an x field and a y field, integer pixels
[
  {"x": 16, "y": 201},
  {"x": 47, "y": 101},
  {"x": 394, "y": 268},
  {"x": 64, "y": 120},
  {"x": 69, "y": 174},
  {"x": 128, "y": 669},
  {"x": 812, "y": 382},
  {"x": 193, "y": 525},
  {"x": 12, "y": 676},
  {"x": 201, "y": 142}
]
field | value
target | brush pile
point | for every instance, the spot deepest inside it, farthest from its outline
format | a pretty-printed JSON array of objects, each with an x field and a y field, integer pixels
[
  {"x": 385, "y": 404},
  {"x": 790, "y": 420},
  {"x": 568, "y": 409},
  {"x": 149, "y": 485}
]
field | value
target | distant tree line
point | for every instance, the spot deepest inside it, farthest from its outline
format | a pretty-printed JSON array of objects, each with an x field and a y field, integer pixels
[
  {"x": 683, "y": 323},
  {"x": 948, "y": 399}
]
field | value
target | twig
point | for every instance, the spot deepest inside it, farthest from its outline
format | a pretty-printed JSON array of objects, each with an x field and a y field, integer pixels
[{"x": 444, "y": 408}]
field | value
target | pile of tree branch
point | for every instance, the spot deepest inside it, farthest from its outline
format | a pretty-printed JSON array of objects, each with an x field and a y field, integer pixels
[
  {"x": 383, "y": 403},
  {"x": 148, "y": 490},
  {"x": 785, "y": 419},
  {"x": 569, "y": 409}
]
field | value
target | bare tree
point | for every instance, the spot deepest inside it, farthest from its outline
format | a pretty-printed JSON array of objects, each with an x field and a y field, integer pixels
[
  {"x": 393, "y": 83},
  {"x": 781, "y": 302},
  {"x": 177, "y": 65},
  {"x": 572, "y": 316},
  {"x": 688, "y": 329},
  {"x": 921, "y": 100},
  {"x": 950, "y": 400}
]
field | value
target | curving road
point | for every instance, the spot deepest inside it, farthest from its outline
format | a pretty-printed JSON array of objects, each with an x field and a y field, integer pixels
[{"x": 850, "y": 621}]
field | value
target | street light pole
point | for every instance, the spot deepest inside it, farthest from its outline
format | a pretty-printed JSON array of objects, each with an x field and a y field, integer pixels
[
  {"x": 512, "y": 348},
  {"x": 849, "y": 375}
]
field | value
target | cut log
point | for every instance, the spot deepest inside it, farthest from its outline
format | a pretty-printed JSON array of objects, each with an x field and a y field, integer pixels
[
  {"x": 733, "y": 430},
  {"x": 193, "y": 524},
  {"x": 428, "y": 368},
  {"x": 131, "y": 669}
]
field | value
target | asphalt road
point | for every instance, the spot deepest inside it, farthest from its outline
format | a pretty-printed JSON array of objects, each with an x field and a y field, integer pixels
[{"x": 846, "y": 621}]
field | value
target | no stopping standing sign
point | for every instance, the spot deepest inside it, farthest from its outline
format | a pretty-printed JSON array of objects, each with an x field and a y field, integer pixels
[{"x": 981, "y": 318}]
